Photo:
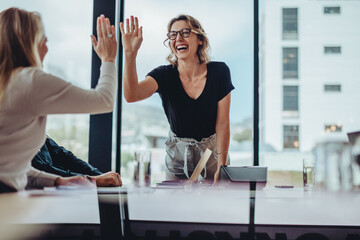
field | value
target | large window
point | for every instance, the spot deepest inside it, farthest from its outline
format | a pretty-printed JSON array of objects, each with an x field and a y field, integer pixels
[
  {"x": 144, "y": 124},
  {"x": 331, "y": 10},
  {"x": 68, "y": 30},
  {"x": 290, "y": 98},
  {"x": 291, "y": 137},
  {"x": 332, "y": 50},
  {"x": 290, "y": 23},
  {"x": 332, "y": 88},
  {"x": 315, "y": 77},
  {"x": 290, "y": 62}
]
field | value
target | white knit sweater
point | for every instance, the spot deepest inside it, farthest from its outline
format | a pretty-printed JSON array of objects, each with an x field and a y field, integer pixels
[{"x": 28, "y": 99}]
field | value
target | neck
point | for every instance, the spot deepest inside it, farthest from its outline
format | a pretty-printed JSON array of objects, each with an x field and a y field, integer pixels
[{"x": 189, "y": 68}]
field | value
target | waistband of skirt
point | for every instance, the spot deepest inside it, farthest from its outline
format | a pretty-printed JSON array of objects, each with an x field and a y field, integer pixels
[{"x": 191, "y": 140}]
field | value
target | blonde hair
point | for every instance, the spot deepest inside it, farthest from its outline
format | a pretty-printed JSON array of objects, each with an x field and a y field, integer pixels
[
  {"x": 203, "y": 50},
  {"x": 20, "y": 33}
]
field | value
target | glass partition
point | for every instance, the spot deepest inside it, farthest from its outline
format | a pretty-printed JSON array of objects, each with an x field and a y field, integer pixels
[
  {"x": 308, "y": 83},
  {"x": 68, "y": 26},
  {"x": 229, "y": 25}
]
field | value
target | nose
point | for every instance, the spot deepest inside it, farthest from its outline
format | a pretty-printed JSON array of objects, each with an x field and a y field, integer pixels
[{"x": 178, "y": 36}]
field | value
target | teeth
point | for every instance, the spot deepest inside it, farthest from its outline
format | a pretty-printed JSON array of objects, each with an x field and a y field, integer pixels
[{"x": 181, "y": 47}]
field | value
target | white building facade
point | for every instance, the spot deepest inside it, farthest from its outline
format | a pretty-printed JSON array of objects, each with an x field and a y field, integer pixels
[{"x": 309, "y": 71}]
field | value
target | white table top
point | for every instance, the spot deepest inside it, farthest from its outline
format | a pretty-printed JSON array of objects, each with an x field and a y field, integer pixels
[
  {"x": 296, "y": 207},
  {"x": 50, "y": 206},
  {"x": 200, "y": 205}
]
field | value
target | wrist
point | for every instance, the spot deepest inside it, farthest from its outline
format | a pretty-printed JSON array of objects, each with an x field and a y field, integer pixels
[
  {"x": 57, "y": 181},
  {"x": 108, "y": 60},
  {"x": 130, "y": 54}
]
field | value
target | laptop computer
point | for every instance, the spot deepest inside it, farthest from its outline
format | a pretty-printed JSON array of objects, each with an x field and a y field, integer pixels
[{"x": 352, "y": 136}]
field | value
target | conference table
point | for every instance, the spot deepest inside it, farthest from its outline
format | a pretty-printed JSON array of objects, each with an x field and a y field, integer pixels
[
  {"x": 180, "y": 212},
  {"x": 233, "y": 212}
]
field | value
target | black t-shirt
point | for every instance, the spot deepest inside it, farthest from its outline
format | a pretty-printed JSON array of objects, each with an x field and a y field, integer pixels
[{"x": 192, "y": 118}]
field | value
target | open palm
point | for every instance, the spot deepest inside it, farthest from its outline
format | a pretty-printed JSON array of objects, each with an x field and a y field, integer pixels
[{"x": 132, "y": 38}]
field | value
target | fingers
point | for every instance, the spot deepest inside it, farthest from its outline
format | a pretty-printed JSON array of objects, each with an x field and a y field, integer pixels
[
  {"x": 127, "y": 25},
  {"x": 136, "y": 23},
  {"x": 122, "y": 28},
  {"x": 93, "y": 40},
  {"x": 98, "y": 28},
  {"x": 140, "y": 32},
  {"x": 103, "y": 24},
  {"x": 132, "y": 25}
]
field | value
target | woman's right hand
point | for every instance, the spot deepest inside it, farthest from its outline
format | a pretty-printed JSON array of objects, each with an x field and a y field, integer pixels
[
  {"x": 106, "y": 45},
  {"x": 132, "y": 38}
]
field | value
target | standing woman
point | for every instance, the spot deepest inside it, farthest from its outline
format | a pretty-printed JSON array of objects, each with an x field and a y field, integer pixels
[
  {"x": 28, "y": 95},
  {"x": 195, "y": 94}
]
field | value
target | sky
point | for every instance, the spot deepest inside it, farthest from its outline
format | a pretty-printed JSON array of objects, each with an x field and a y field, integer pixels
[{"x": 229, "y": 25}]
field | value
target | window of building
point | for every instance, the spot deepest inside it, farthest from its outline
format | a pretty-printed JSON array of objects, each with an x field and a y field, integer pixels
[
  {"x": 290, "y": 98},
  {"x": 332, "y": 50},
  {"x": 290, "y": 23},
  {"x": 333, "y": 128},
  {"x": 331, "y": 10},
  {"x": 290, "y": 63},
  {"x": 291, "y": 137},
  {"x": 332, "y": 88}
]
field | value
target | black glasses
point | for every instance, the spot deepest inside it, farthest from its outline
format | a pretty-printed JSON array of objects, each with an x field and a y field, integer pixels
[{"x": 185, "y": 32}]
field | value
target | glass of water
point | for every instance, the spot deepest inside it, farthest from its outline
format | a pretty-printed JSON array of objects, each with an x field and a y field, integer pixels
[
  {"x": 142, "y": 170},
  {"x": 308, "y": 173}
]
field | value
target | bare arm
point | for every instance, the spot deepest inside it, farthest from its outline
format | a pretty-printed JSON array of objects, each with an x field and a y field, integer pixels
[
  {"x": 131, "y": 41},
  {"x": 222, "y": 132}
]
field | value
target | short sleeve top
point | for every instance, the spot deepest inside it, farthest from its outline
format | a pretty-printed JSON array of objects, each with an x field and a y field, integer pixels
[{"x": 188, "y": 117}]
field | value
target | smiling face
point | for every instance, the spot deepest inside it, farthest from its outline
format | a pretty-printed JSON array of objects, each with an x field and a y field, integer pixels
[{"x": 184, "y": 48}]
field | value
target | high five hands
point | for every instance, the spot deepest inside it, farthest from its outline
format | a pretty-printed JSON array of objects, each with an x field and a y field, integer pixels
[
  {"x": 132, "y": 37},
  {"x": 106, "y": 45}
]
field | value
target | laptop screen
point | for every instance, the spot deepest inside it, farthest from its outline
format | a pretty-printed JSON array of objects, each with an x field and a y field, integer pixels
[{"x": 352, "y": 136}]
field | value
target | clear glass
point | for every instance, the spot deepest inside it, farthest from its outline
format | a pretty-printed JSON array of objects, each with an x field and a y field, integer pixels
[
  {"x": 68, "y": 26},
  {"x": 229, "y": 26},
  {"x": 321, "y": 114}
]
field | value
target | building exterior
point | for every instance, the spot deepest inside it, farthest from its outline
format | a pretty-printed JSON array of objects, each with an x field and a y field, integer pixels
[{"x": 309, "y": 71}]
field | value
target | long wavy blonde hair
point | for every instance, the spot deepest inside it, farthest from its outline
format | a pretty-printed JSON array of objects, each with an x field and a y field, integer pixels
[
  {"x": 203, "y": 50},
  {"x": 20, "y": 34}
]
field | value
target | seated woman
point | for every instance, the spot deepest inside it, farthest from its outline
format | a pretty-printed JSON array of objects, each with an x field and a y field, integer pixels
[
  {"x": 28, "y": 95},
  {"x": 55, "y": 159}
]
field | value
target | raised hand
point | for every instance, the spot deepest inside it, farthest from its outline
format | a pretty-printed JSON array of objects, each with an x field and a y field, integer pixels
[
  {"x": 106, "y": 45},
  {"x": 132, "y": 38}
]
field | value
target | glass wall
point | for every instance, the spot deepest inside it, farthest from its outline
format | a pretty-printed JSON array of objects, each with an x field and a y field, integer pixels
[
  {"x": 68, "y": 26},
  {"x": 309, "y": 68},
  {"x": 229, "y": 25}
]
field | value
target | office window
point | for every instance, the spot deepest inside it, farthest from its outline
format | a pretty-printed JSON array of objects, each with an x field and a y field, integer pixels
[
  {"x": 331, "y": 10},
  {"x": 290, "y": 98},
  {"x": 69, "y": 57},
  {"x": 290, "y": 23},
  {"x": 332, "y": 50},
  {"x": 327, "y": 85},
  {"x": 333, "y": 128},
  {"x": 290, "y": 62},
  {"x": 144, "y": 124},
  {"x": 332, "y": 88},
  {"x": 291, "y": 137}
]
